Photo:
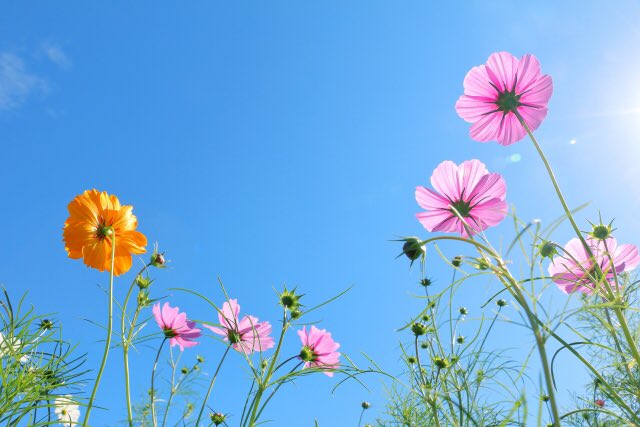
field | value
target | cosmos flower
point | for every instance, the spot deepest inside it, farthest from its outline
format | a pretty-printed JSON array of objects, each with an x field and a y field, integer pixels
[
  {"x": 319, "y": 349},
  {"x": 497, "y": 92},
  {"x": 477, "y": 195},
  {"x": 67, "y": 411},
  {"x": 93, "y": 218},
  {"x": 572, "y": 270},
  {"x": 247, "y": 334},
  {"x": 175, "y": 326}
]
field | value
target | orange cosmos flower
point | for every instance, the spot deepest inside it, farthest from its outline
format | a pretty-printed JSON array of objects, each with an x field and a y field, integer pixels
[{"x": 93, "y": 218}]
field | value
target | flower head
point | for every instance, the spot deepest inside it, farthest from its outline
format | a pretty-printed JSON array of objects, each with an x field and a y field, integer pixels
[
  {"x": 67, "y": 411},
  {"x": 247, "y": 334},
  {"x": 574, "y": 270},
  {"x": 496, "y": 93},
  {"x": 175, "y": 326},
  {"x": 94, "y": 217},
  {"x": 319, "y": 349},
  {"x": 467, "y": 190}
]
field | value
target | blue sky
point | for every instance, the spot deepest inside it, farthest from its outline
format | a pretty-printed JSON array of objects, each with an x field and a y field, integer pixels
[{"x": 281, "y": 142}]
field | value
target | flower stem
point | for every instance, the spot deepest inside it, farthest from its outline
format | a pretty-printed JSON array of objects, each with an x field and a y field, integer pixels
[
  {"x": 213, "y": 380},
  {"x": 152, "y": 393},
  {"x": 126, "y": 342},
  {"x": 109, "y": 331},
  {"x": 618, "y": 312}
]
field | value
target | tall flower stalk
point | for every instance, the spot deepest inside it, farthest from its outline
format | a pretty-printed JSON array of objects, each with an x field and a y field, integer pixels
[{"x": 107, "y": 344}]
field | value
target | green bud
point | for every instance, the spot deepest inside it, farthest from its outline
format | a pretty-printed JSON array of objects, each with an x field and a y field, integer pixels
[
  {"x": 289, "y": 299},
  {"x": 217, "y": 418},
  {"x": 143, "y": 282},
  {"x": 426, "y": 282},
  {"x": 184, "y": 371},
  {"x": 46, "y": 324},
  {"x": 501, "y": 303},
  {"x": 419, "y": 329},
  {"x": 460, "y": 339},
  {"x": 463, "y": 311},
  {"x": 413, "y": 249},
  {"x": 547, "y": 249},
  {"x": 544, "y": 398},
  {"x": 200, "y": 359},
  {"x": 295, "y": 314},
  {"x": 425, "y": 318},
  {"x": 411, "y": 360},
  {"x": 457, "y": 261},
  {"x": 365, "y": 405},
  {"x": 441, "y": 363},
  {"x": 601, "y": 231},
  {"x": 424, "y": 345}
]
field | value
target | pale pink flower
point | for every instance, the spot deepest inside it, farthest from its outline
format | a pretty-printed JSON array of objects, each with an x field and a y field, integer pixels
[
  {"x": 247, "y": 334},
  {"x": 573, "y": 275},
  {"x": 496, "y": 91},
  {"x": 319, "y": 349},
  {"x": 477, "y": 195},
  {"x": 175, "y": 326}
]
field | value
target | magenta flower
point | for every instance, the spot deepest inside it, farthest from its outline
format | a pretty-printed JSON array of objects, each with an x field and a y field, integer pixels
[
  {"x": 496, "y": 93},
  {"x": 319, "y": 349},
  {"x": 477, "y": 195},
  {"x": 247, "y": 334},
  {"x": 572, "y": 275},
  {"x": 175, "y": 326}
]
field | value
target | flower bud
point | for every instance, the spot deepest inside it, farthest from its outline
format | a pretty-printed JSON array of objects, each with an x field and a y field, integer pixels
[
  {"x": 411, "y": 360},
  {"x": 463, "y": 311},
  {"x": 501, "y": 303},
  {"x": 200, "y": 359},
  {"x": 460, "y": 339},
  {"x": 143, "y": 282},
  {"x": 184, "y": 371},
  {"x": 424, "y": 345},
  {"x": 289, "y": 299},
  {"x": 157, "y": 258},
  {"x": 143, "y": 299},
  {"x": 46, "y": 324},
  {"x": 413, "y": 248},
  {"x": 295, "y": 314},
  {"x": 365, "y": 405},
  {"x": 217, "y": 418},
  {"x": 426, "y": 282},
  {"x": 601, "y": 231},
  {"x": 457, "y": 261},
  {"x": 306, "y": 354},
  {"x": 441, "y": 362},
  {"x": 599, "y": 402},
  {"x": 419, "y": 329},
  {"x": 544, "y": 398},
  {"x": 425, "y": 318},
  {"x": 547, "y": 249}
]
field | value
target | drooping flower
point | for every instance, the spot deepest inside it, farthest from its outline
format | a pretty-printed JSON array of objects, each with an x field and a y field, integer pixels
[
  {"x": 319, "y": 349},
  {"x": 93, "y": 218},
  {"x": 247, "y": 334},
  {"x": 175, "y": 326},
  {"x": 477, "y": 195},
  {"x": 67, "y": 411},
  {"x": 573, "y": 270},
  {"x": 497, "y": 92}
]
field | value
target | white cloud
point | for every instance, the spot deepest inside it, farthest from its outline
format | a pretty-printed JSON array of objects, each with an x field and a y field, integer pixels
[
  {"x": 56, "y": 55},
  {"x": 17, "y": 83}
]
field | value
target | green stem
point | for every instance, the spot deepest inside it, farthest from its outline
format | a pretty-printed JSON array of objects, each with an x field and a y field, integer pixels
[
  {"x": 109, "y": 331},
  {"x": 152, "y": 393},
  {"x": 618, "y": 312},
  {"x": 126, "y": 342},
  {"x": 213, "y": 380}
]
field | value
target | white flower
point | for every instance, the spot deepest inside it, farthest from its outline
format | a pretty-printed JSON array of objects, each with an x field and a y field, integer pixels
[
  {"x": 67, "y": 411},
  {"x": 11, "y": 346}
]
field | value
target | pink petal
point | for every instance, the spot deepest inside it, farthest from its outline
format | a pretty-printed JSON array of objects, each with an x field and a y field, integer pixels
[
  {"x": 470, "y": 173},
  {"x": 487, "y": 128},
  {"x": 472, "y": 109},
  {"x": 445, "y": 180},
  {"x": 430, "y": 200},
  {"x": 478, "y": 84},
  {"x": 501, "y": 68},
  {"x": 511, "y": 130},
  {"x": 437, "y": 220},
  {"x": 538, "y": 92}
]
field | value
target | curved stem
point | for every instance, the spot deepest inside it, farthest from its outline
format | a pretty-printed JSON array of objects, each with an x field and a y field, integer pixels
[
  {"x": 620, "y": 316},
  {"x": 109, "y": 331},
  {"x": 152, "y": 393},
  {"x": 213, "y": 380}
]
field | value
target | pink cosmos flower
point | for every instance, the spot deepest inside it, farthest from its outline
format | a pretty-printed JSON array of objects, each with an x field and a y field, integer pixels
[
  {"x": 175, "y": 326},
  {"x": 477, "y": 195},
  {"x": 573, "y": 275},
  {"x": 319, "y": 349},
  {"x": 247, "y": 334},
  {"x": 495, "y": 93}
]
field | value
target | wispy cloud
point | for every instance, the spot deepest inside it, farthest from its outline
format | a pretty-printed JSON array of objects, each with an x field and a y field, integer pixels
[
  {"x": 55, "y": 54},
  {"x": 17, "y": 83}
]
